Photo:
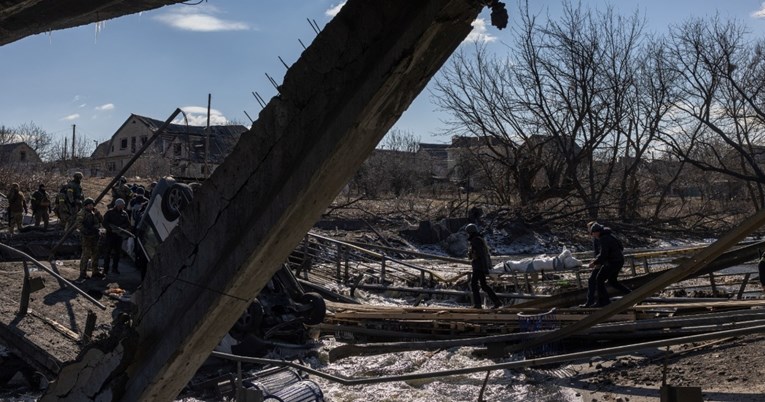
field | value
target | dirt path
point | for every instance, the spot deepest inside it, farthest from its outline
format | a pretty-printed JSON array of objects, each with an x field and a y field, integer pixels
[{"x": 725, "y": 370}]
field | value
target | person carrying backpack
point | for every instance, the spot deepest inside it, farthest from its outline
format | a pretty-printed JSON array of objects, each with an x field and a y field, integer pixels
[{"x": 608, "y": 263}]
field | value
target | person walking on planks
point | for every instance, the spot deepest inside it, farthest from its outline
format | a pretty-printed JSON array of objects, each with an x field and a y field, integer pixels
[
  {"x": 609, "y": 260},
  {"x": 481, "y": 262}
]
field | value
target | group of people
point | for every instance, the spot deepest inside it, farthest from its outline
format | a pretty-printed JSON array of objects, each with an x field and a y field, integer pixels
[
  {"x": 66, "y": 204},
  {"x": 73, "y": 208},
  {"x": 118, "y": 224},
  {"x": 606, "y": 265},
  {"x": 17, "y": 207}
]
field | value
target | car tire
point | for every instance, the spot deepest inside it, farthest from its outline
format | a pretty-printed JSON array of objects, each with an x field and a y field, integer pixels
[
  {"x": 174, "y": 200},
  {"x": 314, "y": 315}
]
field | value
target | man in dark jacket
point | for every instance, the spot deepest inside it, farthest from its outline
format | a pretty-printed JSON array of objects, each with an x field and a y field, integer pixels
[
  {"x": 115, "y": 219},
  {"x": 607, "y": 264},
  {"x": 481, "y": 262}
]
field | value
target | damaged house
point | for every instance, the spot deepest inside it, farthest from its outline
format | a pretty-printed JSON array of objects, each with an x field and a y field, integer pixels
[
  {"x": 182, "y": 151},
  {"x": 18, "y": 154}
]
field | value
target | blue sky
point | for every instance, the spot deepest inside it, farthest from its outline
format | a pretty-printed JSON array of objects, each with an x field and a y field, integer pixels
[{"x": 150, "y": 63}]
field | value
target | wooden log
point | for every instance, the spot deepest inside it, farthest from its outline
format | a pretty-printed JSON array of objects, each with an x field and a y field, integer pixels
[{"x": 648, "y": 329}]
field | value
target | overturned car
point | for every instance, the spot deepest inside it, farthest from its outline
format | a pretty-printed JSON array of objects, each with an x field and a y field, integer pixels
[{"x": 282, "y": 309}]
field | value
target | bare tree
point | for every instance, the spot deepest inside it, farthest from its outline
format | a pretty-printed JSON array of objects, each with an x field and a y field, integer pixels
[
  {"x": 400, "y": 140},
  {"x": 650, "y": 96},
  {"x": 719, "y": 119},
  {"x": 561, "y": 108},
  {"x": 7, "y": 135},
  {"x": 37, "y": 138}
]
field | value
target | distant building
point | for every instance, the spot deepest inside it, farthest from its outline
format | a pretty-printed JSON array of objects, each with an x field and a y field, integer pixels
[
  {"x": 432, "y": 160},
  {"x": 18, "y": 154},
  {"x": 179, "y": 151}
]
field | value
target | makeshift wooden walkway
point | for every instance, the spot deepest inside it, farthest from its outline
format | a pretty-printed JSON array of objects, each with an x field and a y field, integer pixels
[{"x": 361, "y": 322}]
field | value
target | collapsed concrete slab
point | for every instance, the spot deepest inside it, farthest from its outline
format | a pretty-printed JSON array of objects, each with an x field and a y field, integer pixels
[
  {"x": 22, "y": 18},
  {"x": 335, "y": 104}
]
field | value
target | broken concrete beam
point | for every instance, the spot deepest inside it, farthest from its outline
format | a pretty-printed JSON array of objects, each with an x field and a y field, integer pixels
[{"x": 335, "y": 104}]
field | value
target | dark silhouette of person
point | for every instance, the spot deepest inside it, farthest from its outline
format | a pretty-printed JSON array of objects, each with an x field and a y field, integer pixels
[
  {"x": 607, "y": 265},
  {"x": 481, "y": 263}
]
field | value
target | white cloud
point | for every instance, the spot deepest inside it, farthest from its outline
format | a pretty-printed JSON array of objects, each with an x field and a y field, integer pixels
[
  {"x": 479, "y": 33},
  {"x": 106, "y": 106},
  {"x": 83, "y": 105},
  {"x": 332, "y": 11},
  {"x": 197, "y": 116},
  {"x": 71, "y": 117},
  {"x": 759, "y": 13},
  {"x": 199, "y": 19}
]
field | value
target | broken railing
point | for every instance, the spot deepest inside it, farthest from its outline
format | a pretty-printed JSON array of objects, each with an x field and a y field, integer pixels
[
  {"x": 357, "y": 266},
  {"x": 353, "y": 263},
  {"x": 31, "y": 285}
]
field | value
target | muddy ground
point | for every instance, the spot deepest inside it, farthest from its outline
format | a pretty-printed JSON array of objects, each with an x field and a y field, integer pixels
[{"x": 725, "y": 370}]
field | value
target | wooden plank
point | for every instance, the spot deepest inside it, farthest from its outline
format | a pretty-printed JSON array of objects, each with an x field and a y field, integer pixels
[
  {"x": 56, "y": 326},
  {"x": 628, "y": 330}
]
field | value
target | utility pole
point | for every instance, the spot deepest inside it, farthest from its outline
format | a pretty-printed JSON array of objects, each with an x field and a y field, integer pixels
[
  {"x": 207, "y": 137},
  {"x": 63, "y": 151},
  {"x": 73, "y": 137}
]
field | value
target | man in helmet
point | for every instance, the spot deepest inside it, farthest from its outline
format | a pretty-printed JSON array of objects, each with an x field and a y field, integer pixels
[
  {"x": 121, "y": 190},
  {"x": 481, "y": 262},
  {"x": 89, "y": 222},
  {"x": 73, "y": 197},
  {"x": 17, "y": 206}
]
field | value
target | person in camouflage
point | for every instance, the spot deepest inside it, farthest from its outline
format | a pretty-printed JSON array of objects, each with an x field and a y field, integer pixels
[
  {"x": 73, "y": 199},
  {"x": 41, "y": 206},
  {"x": 121, "y": 190},
  {"x": 17, "y": 206},
  {"x": 88, "y": 222}
]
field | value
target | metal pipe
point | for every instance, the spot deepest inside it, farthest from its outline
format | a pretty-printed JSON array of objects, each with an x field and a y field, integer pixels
[
  {"x": 501, "y": 366},
  {"x": 54, "y": 274}
]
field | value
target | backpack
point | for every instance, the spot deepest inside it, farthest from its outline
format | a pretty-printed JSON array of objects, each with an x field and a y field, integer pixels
[{"x": 60, "y": 197}]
